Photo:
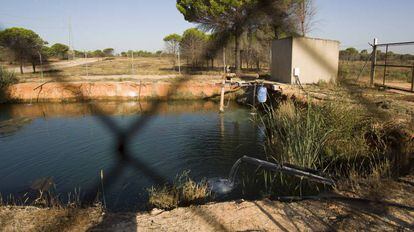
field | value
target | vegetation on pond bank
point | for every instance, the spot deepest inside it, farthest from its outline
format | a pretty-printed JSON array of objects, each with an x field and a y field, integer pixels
[
  {"x": 338, "y": 138},
  {"x": 7, "y": 78},
  {"x": 184, "y": 191},
  {"x": 341, "y": 138},
  {"x": 315, "y": 136}
]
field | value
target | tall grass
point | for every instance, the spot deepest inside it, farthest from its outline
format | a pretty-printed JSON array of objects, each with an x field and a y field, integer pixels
[
  {"x": 332, "y": 138},
  {"x": 296, "y": 136}
]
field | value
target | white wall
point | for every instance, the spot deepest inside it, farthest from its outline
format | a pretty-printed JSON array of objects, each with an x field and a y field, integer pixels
[{"x": 317, "y": 59}]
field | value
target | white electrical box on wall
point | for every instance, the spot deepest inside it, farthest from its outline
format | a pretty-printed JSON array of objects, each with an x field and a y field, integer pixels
[{"x": 296, "y": 72}]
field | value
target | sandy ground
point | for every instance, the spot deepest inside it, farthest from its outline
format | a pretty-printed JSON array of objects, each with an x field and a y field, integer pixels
[
  {"x": 56, "y": 65},
  {"x": 404, "y": 85},
  {"x": 393, "y": 212}
]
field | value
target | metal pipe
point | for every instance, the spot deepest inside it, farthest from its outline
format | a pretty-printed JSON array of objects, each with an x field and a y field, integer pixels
[
  {"x": 287, "y": 170},
  {"x": 396, "y": 44},
  {"x": 394, "y": 66},
  {"x": 223, "y": 85}
]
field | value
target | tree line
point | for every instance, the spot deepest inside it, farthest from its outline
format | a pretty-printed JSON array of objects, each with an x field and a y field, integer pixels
[
  {"x": 240, "y": 29},
  {"x": 352, "y": 54},
  {"x": 140, "y": 53},
  {"x": 22, "y": 46}
]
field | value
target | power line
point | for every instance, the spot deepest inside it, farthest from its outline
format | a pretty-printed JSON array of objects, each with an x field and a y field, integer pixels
[
  {"x": 48, "y": 19},
  {"x": 31, "y": 26}
]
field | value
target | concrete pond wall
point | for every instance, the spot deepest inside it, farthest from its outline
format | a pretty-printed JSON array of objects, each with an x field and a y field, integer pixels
[{"x": 84, "y": 91}]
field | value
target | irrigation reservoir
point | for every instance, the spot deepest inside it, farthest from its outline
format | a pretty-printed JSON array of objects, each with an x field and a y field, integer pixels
[{"x": 70, "y": 145}]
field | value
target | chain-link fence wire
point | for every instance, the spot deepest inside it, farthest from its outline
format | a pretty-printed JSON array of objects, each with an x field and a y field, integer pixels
[{"x": 125, "y": 157}]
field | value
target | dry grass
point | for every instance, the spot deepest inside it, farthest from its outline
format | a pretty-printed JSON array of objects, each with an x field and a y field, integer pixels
[
  {"x": 125, "y": 66},
  {"x": 368, "y": 186},
  {"x": 163, "y": 198},
  {"x": 120, "y": 66},
  {"x": 48, "y": 219},
  {"x": 113, "y": 66},
  {"x": 184, "y": 191},
  {"x": 353, "y": 69}
]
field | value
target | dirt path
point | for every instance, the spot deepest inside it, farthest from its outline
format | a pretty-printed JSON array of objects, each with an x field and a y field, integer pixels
[
  {"x": 56, "y": 65},
  {"x": 269, "y": 215},
  {"x": 393, "y": 212}
]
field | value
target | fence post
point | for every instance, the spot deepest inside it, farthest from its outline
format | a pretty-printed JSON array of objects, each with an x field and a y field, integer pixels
[
  {"x": 373, "y": 62},
  {"x": 412, "y": 78},
  {"x": 385, "y": 66}
]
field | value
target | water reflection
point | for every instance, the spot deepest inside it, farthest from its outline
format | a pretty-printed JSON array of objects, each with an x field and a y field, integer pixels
[
  {"x": 10, "y": 126},
  {"x": 68, "y": 143},
  {"x": 47, "y": 110}
]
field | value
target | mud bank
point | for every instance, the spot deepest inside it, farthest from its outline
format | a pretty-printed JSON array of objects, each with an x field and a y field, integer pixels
[{"x": 86, "y": 91}]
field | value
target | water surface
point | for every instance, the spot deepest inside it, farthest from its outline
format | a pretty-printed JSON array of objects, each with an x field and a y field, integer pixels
[{"x": 70, "y": 143}]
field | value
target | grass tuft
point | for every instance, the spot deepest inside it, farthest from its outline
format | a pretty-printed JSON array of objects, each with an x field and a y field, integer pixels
[
  {"x": 184, "y": 191},
  {"x": 7, "y": 78}
]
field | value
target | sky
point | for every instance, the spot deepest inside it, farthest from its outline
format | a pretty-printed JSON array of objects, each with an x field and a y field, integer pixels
[{"x": 142, "y": 24}]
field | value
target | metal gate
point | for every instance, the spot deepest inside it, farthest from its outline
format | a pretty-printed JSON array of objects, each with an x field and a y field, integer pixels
[{"x": 387, "y": 64}]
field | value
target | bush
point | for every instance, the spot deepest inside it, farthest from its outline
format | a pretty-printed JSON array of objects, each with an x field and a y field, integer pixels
[
  {"x": 184, "y": 191},
  {"x": 7, "y": 78}
]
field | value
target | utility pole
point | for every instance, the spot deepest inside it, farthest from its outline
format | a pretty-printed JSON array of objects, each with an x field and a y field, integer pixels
[
  {"x": 86, "y": 64},
  {"x": 373, "y": 61},
  {"x": 41, "y": 65},
  {"x": 132, "y": 63},
  {"x": 179, "y": 62},
  {"x": 70, "y": 38},
  {"x": 224, "y": 60}
]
